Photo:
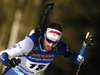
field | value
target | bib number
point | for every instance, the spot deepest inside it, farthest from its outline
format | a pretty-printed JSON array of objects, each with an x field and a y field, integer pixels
[
  {"x": 36, "y": 67},
  {"x": 39, "y": 67}
]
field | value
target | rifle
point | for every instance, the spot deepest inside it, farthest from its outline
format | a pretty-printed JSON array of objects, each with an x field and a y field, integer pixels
[{"x": 39, "y": 28}]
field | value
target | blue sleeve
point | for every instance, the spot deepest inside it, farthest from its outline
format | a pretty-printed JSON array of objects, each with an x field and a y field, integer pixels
[
  {"x": 76, "y": 57},
  {"x": 64, "y": 49},
  {"x": 84, "y": 51},
  {"x": 4, "y": 58},
  {"x": 72, "y": 56}
]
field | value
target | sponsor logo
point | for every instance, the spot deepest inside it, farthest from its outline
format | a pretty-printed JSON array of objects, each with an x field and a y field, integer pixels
[
  {"x": 9, "y": 48},
  {"x": 2, "y": 58},
  {"x": 55, "y": 32},
  {"x": 14, "y": 46},
  {"x": 42, "y": 55},
  {"x": 19, "y": 46},
  {"x": 35, "y": 48}
]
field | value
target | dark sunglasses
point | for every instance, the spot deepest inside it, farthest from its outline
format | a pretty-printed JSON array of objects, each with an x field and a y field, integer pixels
[{"x": 51, "y": 41}]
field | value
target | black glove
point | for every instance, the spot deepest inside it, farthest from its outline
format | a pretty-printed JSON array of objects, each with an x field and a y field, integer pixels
[
  {"x": 13, "y": 62},
  {"x": 89, "y": 40}
]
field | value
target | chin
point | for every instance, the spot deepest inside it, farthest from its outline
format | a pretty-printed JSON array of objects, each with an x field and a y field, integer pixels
[{"x": 48, "y": 49}]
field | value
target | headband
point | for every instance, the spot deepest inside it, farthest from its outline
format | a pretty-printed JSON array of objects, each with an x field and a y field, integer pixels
[{"x": 53, "y": 33}]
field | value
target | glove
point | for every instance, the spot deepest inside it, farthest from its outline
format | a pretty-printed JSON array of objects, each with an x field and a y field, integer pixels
[
  {"x": 13, "y": 62},
  {"x": 89, "y": 40}
]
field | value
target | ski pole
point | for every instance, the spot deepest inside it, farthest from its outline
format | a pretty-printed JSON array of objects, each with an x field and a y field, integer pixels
[
  {"x": 6, "y": 70},
  {"x": 86, "y": 46}
]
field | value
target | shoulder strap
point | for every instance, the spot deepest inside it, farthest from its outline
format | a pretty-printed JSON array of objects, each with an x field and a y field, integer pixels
[
  {"x": 35, "y": 45},
  {"x": 56, "y": 49}
]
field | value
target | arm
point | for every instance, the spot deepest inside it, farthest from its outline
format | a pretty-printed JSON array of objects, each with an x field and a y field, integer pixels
[
  {"x": 76, "y": 57},
  {"x": 5, "y": 60},
  {"x": 21, "y": 48},
  {"x": 80, "y": 56},
  {"x": 65, "y": 50}
]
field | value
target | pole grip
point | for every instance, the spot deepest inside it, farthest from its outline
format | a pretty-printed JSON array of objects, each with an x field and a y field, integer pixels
[
  {"x": 50, "y": 5},
  {"x": 88, "y": 35}
]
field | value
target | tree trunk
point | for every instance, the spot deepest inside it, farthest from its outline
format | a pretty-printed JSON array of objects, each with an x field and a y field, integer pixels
[{"x": 15, "y": 26}]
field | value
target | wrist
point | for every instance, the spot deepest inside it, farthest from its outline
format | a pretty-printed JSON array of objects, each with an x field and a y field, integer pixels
[
  {"x": 4, "y": 58},
  {"x": 79, "y": 58}
]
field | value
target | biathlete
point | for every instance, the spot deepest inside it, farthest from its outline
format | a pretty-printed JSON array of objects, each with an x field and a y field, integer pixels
[{"x": 47, "y": 48}]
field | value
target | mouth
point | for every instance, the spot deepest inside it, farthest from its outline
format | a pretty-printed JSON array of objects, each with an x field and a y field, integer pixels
[{"x": 48, "y": 48}]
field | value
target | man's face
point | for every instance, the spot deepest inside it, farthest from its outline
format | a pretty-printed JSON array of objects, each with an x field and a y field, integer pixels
[{"x": 49, "y": 43}]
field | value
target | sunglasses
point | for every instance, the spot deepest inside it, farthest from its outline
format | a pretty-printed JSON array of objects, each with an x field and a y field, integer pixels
[{"x": 51, "y": 41}]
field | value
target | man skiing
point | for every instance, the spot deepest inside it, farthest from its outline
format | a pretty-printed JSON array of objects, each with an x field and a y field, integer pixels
[{"x": 48, "y": 46}]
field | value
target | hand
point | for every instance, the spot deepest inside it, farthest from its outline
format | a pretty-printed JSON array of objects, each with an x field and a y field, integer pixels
[
  {"x": 89, "y": 40},
  {"x": 13, "y": 62}
]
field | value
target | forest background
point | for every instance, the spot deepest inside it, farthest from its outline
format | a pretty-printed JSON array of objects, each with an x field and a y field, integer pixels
[{"x": 77, "y": 17}]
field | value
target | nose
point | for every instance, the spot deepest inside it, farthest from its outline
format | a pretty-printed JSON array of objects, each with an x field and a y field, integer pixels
[{"x": 50, "y": 44}]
